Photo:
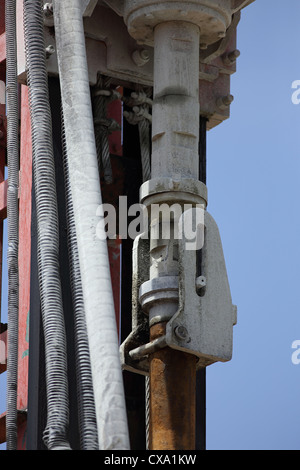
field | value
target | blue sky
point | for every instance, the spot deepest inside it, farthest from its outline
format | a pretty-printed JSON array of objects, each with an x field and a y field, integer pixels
[{"x": 254, "y": 194}]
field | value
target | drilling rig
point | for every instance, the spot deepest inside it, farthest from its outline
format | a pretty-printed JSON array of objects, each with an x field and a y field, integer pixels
[{"x": 118, "y": 295}]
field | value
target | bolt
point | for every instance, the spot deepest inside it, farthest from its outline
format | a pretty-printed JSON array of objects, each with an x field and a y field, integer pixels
[
  {"x": 48, "y": 9},
  {"x": 200, "y": 285},
  {"x": 181, "y": 332},
  {"x": 200, "y": 282},
  {"x": 140, "y": 57},
  {"x": 230, "y": 58},
  {"x": 234, "y": 55},
  {"x": 225, "y": 101},
  {"x": 49, "y": 51}
]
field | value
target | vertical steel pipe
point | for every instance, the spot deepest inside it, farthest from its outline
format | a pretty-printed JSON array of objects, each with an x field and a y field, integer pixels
[{"x": 175, "y": 136}]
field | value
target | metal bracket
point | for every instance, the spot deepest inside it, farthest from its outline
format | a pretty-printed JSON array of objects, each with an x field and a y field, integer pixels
[
  {"x": 139, "y": 335},
  {"x": 206, "y": 320}
]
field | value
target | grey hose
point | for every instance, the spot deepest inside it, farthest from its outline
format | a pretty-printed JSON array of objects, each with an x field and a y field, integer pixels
[
  {"x": 55, "y": 435},
  {"x": 86, "y": 404},
  {"x": 92, "y": 249},
  {"x": 13, "y": 225}
]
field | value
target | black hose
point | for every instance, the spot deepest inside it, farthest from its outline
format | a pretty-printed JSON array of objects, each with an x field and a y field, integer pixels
[
  {"x": 13, "y": 224},
  {"x": 85, "y": 393},
  {"x": 55, "y": 435}
]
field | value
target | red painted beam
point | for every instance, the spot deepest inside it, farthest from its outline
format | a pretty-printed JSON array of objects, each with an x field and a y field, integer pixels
[
  {"x": 2, "y": 16},
  {"x": 3, "y": 199},
  {"x": 2, "y": 47},
  {"x": 3, "y": 352},
  {"x": 114, "y": 253},
  {"x": 24, "y": 248}
]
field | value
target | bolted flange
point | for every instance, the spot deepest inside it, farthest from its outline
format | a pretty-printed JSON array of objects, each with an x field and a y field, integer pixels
[{"x": 211, "y": 16}]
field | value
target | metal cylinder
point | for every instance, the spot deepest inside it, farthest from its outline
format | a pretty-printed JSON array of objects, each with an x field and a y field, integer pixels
[{"x": 175, "y": 128}]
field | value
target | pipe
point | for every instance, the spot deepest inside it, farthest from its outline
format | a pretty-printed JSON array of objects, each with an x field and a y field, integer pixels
[
  {"x": 55, "y": 434},
  {"x": 172, "y": 397},
  {"x": 86, "y": 404},
  {"x": 93, "y": 254},
  {"x": 13, "y": 222}
]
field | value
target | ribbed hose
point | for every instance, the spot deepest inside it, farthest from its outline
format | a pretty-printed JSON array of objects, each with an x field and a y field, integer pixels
[
  {"x": 13, "y": 224},
  {"x": 85, "y": 395},
  {"x": 55, "y": 435},
  {"x": 93, "y": 254}
]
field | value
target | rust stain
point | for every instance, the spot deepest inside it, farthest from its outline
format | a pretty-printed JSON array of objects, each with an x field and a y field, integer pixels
[{"x": 172, "y": 397}]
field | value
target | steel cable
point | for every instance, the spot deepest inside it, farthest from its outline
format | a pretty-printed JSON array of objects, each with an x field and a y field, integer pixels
[
  {"x": 13, "y": 224},
  {"x": 55, "y": 434},
  {"x": 100, "y": 103},
  {"x": 144, "y": 133}
]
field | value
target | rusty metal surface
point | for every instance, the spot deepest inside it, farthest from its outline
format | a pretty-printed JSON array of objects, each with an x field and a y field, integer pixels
[{"x": 172, "y": 398}]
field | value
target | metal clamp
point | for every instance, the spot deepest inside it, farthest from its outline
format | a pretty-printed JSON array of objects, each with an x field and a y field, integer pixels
[{"x": 202, "y": 324}]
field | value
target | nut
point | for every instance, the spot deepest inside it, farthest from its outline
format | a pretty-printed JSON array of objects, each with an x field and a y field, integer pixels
[
  {"x": 181, "y": 332},
  {"x": 48, "y": 9},
  {"x": 140, "y": 57}
]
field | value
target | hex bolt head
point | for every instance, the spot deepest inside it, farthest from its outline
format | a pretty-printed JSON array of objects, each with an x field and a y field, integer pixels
[
  {"x": 230, "y": 58},
  {"x": 140, "y": 57},
  {"x": 225, "y": 101},
  {"x": 181, "y": 332}
]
